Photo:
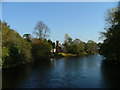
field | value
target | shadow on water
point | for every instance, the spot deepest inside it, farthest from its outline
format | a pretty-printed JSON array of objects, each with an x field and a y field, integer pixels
[
  {"x": 17, "y": 77},
  {"x": 111, "y": 74},
  {"x": 11, "y": 76}
]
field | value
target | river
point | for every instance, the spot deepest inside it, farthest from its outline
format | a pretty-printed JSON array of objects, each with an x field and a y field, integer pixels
[{"x": 68, "y": 72}]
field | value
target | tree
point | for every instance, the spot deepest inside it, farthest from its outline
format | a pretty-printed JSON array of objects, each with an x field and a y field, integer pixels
[
  {"x": 111, "y": 45},
  {"x": 15, "y": 49},
  {"x": 74, "y": 46},
  {"x": 68, "y": 39},
  {"x": 67, "y": 43},
  {"x": 41, "y": 30},
  {"x": 41, "y": 49},
  {"x": 77, "y": 47},
  {"x": 51, "y": 43},
  {"x": 28, "y": 37},
  {"x": 92, "y": 47}
]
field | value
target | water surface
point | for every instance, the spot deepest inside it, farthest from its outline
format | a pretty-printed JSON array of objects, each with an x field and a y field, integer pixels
[{"x": 69, "y": 72}]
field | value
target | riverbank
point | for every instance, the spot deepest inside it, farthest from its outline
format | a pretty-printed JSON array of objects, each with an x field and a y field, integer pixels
[
  {"x": 69, "y": 54},
  {"x": 66, "y": 54},
  {"x": 59, "y": 55}
]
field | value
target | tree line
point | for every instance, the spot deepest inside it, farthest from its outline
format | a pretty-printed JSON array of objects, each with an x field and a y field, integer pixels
[
  {"x": 79, "y": 47},
  {"x": 18, "y": 49}
]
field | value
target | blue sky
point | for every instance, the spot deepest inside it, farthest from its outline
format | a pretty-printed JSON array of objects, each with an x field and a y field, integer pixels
[{"x": 83, "y": 20}]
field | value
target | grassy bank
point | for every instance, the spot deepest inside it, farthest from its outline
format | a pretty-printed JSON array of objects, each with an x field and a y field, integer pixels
[
  {"x": 69, "y": 54},
  {"x": 66, "y": 54}
]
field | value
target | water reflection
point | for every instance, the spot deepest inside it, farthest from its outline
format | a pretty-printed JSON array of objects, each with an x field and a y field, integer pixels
[
  {"x": 53, "y": 61},
  {"x": 71, "y": 72}
]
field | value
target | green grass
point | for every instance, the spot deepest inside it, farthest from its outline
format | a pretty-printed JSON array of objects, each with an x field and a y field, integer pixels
[{"x": 66, "y": 54}]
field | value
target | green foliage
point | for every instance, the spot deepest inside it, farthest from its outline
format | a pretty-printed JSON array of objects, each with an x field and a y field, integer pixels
[
  {"x": 67, "y": 43},
  {"x": 79, "y": 47},
  {"x": 111, "y": 45},
  {"x": 5, "y": 53},
  {"x": 15, "y": 48},
  {"x": 92, "y": 47},
  {"x": 40, "y": 49}
]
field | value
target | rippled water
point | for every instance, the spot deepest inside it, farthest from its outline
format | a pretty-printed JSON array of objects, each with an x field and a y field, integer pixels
[{"x": 69, "y": 72}]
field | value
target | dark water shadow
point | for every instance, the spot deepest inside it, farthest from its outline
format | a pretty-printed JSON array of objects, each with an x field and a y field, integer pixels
[
  {"x": 18, "y": 76},
  {"x": 111, "y": 74}
]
